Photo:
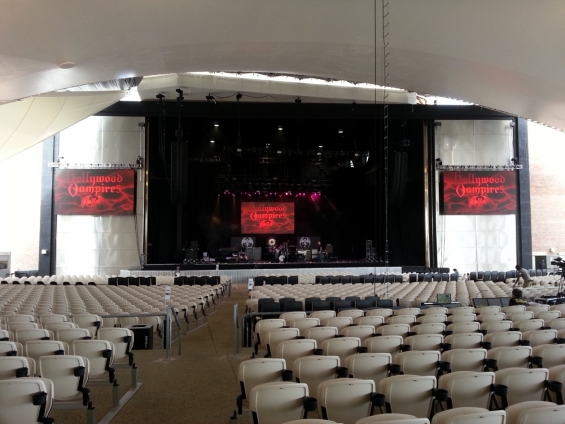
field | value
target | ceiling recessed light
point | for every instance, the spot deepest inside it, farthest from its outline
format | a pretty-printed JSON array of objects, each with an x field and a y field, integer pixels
[{"x": 67, "y": 65}]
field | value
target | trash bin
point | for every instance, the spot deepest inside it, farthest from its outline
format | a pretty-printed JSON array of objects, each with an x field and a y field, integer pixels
[{"x": 142, "y": 336}]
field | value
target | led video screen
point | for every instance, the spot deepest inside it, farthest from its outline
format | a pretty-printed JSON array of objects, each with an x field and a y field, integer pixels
[
  {"x": 478, "y": 192},
  {"x": 267, "y": 218},
  {"x": 94, "y": 192}
]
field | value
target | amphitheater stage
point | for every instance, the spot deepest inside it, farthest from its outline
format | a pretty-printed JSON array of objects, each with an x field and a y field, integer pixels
[{"x": 261, "y": 265}]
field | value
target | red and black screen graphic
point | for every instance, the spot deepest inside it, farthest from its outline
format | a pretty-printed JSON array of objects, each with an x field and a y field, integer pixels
[
  {"x": 478, "y": 193},
  {"x": 267, "y": 218},
  {"x": 94, "y": 192}
]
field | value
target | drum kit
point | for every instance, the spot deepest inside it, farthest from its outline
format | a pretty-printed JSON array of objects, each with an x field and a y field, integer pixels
[{"x": 280, "y": 252}]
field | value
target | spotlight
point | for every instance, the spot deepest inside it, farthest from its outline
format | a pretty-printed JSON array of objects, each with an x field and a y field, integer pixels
[
  {"x": 340, "y": 131},
  {"x": 438, "y": 162},
  {"x": 280, "y": 127},
  {"x": 216, "y": 124},
  {"x": 212, "y": 141}
]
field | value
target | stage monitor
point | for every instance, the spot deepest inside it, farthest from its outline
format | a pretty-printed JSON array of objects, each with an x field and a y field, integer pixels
[
  {"x": 478, "y": 192},
  {"x": 444, "y": 298},
  {"x": 267, "y": 217},
  {"x": 94, "y": 192}
]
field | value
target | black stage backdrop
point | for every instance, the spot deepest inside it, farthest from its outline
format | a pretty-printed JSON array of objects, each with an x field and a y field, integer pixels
[{"x": 348, "y": 212}]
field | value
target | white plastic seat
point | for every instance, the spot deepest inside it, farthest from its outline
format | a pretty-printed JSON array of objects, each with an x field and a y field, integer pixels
[
  {"x": 465, "y": 340},
  {"x": 511, "y": 357},
  {"x": 432, "y": 318},
  {"x": 339, "y": 322},
  {"x": 469, "y": 415},
  {"x": 15, "y": 326},
  {"x": 262, "y": 327},
  {"x": 520, "y": 316},
  {"x": 551, "y": 354},
  {"x": 548, "y": 315},
  {"x": 394, "y": 330},
  {"x": 535, "y": 412},
  {"x": 6, "y": 335},
  {"x": 461, "y": 310},
  {"x": 69, "y": 335},
  {"x": 122, "y": 339},
  {"x": 100, "y": 355},
  {"x": 312, "y": 370},
  {"x": 384, "y": 344},
  {"x": 488, "y": 310},
  {"x": 37, "y": 348},
  {"x": 320, "y": 334},
  {"x": 393, "y": 419},
  {"x": 56, "y": 326},
  {"x": 401, "y": 319},
  {"x": 25, "y": 400},
  {"x": 290, "y": 350},
  {"x": 20, "y": 318},
  {"x": 361, "y": 331},
  {"x": 385, "y": 313},
  {"x": 89, "y": 321},
  {"x": 429, "y": 328},
  {"x": 523, "y": 384},
  {"x": 369, "y": 366},
  {"x": 435, "y": 310},
  {"x": 425, "y": 342},
  {"x": 467, "y": 388},
  {"x": 408, "y": 394},
  {"x": 375, "y": 320},
  {"x": 513, "y": 308},
  {"x": 304, "y": 323},
  {"x": 504, "y": 338},
  {"x": 557, "y": 374},
  {"x": 16, "y": 367},
  {"x": 291, "y": 316},
  {"x": 500, "y": 316},
  {"x": 22, "y": 336},
  {"x": 259, "y": 371},
  {"x": 408, "y": 311},
  {"x": 465, "y": 359},
  {"x": 352, "y": 313},
  {"x": 540, "y": 337},
  {"x": 342, "y": 347},
  {"x": 496, "y": 326},
  {"x": 462, "y": 318},
  {"x": 345, "y": 400},
  {"x": 8, "y": 348},
  {"x": 529, "y": 324},
  {"x": 322, "y": 314},
  {"x": 46, "y": 319},
  {"x": 557, "y": 324},
  {"x": 276, "y": 403},
  {"x": 423, "y": 362},
  {"x": 277, "y": 335},
  {"x": 464, "y": 327}
]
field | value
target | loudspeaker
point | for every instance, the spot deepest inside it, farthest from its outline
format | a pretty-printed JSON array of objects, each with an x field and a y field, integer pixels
[
  {"x": 179, "y": 173},
  {"x": 399, "y": 176}
]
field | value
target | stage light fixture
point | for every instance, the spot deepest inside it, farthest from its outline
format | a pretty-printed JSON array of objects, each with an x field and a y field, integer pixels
[
  {"x": 514, "y": 161},
  {"x": 320, "y": 146},
  {"x": 216, "y": 124},
  {"x": 340, "y": 131},
  {"x": 212, "y": 141},
  {"x": 280, "y": 127},
  {"x": 438, "y": 162}
]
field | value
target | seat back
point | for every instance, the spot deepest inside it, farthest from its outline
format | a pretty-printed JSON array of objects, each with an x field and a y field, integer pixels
[
  {"x": 465, "y": 359},
  {"x": 520, "y": 316},
  {"x": 19, "y": 318},
  {"x": 504, "y": 338},
  {"x": 499, "y": 316},
  {"x": 429, "y": 328},
  {"x": 304, "y": 323},
  {"x": 514, "y": 308},
  {"x": 401, "y": 319},
  {"x": 265, "y": 325},
  {"x": 6, "y": 335},
  {"x": 23, "y": 336},
  {"x": 424, "y": 342},
  {"x": 548, "y": 415},
  {"x": 69, "y": 335},
  {"x": 322, "y": 314},
  {"x": 408, "y": 311},
  {"x": 384, "y": 344},
  {"x": 320, "y": 334},
  {"x": 394, "y": 330},
  {"x": 277, "y": 335},
  {"x": 55, "y": 326},
  {"x": 431, "y": 318},
  {"x": 464, "y": 327},
  {"x": 557, "y": 323},
  {"x": 352, "y": 313},
  {"x": 37, "y": 348},
  {"x": 292, "y": 316},
  {"x": 19, "y": 325},
  {"x": 375, "y": 321},
  {"x": 100, "y": 355},
  {"x": 46, "y": 319},
  {"x": 424, "y": 362},
  {"x": 464, "y": 340},
  {"x": 121, "y": 338},
  {"x": 380, "y": 312},
  {"x": 21, "y": 400},
  {"x": 511, "y": 357},
  {"x": 435, "y": 310},
  {"x": 62, "y": 370},
  {"x": 345, "y": 400},
  {"x": 259, "y": 371},
  {"x": 462, "y": 310},
  {"x": 488, "y": 310},
  {"x": 361, "y": 331},
  {"x": 408, "y": 394},
  {"x": 369, "y": 366},
  {"x": 312, "y": 370},
  {"x": 275, "y": 403},
  {"x": 342, "y": 347},
  {"x": 339, "y": 322},
  {"x": 16, "y": 366},
  {"x": 89, "y": 321},
  {"x": 468, "y": 389},
  {"x": 552, "y": 354},
  {"x": 462, "y": 318},
  {"x": 290, "y": 350},
  {"x": 8, "y": 348},
  {"x": 523, "y": 384},
  {"x": 540, "y": 337},
  {"x": 547, "y": 315},
  {"x": 496, "y": 326},
  {"x": 530, "y": 324},
  {"x": 470, "y": 416}
]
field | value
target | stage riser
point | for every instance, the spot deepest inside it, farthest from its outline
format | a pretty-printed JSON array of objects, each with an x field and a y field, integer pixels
[{"x": 241, "y": 276}]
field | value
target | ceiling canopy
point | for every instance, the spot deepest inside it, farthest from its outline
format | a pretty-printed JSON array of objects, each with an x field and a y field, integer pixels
[{"x": 503, "y": 54}]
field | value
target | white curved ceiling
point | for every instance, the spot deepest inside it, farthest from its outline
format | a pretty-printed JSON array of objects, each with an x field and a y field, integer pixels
[{"x": 503, "y": 54}]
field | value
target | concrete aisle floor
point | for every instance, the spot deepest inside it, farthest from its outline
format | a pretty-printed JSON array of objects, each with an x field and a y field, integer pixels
[{"x": 198, "y": 387}]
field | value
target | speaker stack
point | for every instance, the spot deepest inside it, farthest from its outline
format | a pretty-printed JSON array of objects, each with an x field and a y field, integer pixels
[{"x": 370, "y": 251}]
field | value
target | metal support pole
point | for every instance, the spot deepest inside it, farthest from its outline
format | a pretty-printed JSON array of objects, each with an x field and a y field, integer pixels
[
  {"x": 235, "y": 330},
  {"x": 115, "y": 395}
]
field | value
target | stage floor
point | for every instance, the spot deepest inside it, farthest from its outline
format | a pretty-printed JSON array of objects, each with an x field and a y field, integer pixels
[{"x": 261, "y": 265}]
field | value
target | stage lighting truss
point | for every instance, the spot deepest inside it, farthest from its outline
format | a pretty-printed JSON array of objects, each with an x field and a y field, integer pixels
[
  {"x": 479, "y": 167},
  {"x": 271, "y": 187}
]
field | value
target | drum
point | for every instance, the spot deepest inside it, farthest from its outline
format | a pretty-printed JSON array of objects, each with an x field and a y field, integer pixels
[{"x": 282, "y": 258}]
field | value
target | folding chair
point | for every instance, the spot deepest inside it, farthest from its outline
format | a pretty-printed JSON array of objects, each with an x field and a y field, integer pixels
[
  {"x": 361, "y": 331},
  {"x": 322, "y": 314},
  {"x": 276, "y": 403},
  {"x": 262, "y": 326},
  {"x": 540, "y": 337},
  {"x": 69, "y": 374},
  {"x": 16, "y": 367},
  {"x": 468, "y": 389},
  {"x": 304, "y": 323},
  {"x": 505, "y": 338},
  {"x": 11, "y": 348},
  {"x": 511, "y": 356},
  {"x": 290, "y": 350},
  {"x": 392, "y": 419},
  {"x": 320, "y": 334},
  {"x": 254, "y": 372},
  {"x": 345, "y": 400},
  {"x": 312, "y": 370},
  {"x": 424, "y": 362},
  {"x": 409, "y": 394},
  {"x": 277, "y": 335},
  {"x": 549, "y": 355},
  {"x": 343, "y": 347},
  {"x": 37, "y": 348},
  {"x": 69, "y": 335},
  {"x": 100, "y": 355},
  {"x": 375, "y": 321},
  {"x": 425, "y": 342},
  {"x": 26, "y": 400},
  {"x": 385, "y": 344},
  {"x": 465, "y": 340},
  {"x": 122, "y": 339},
  {"x": 429, "y": 328},
  {"x": 474, "y": 360},
  {"x": 22, "y": 336},
  {"x": 469, "y": 415},
  {"x": 525, "y": 385},
  {"x": 88, "y": 321},
  {"x": 369, "y": 366},
  {"x": 535, "y": 412}
]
